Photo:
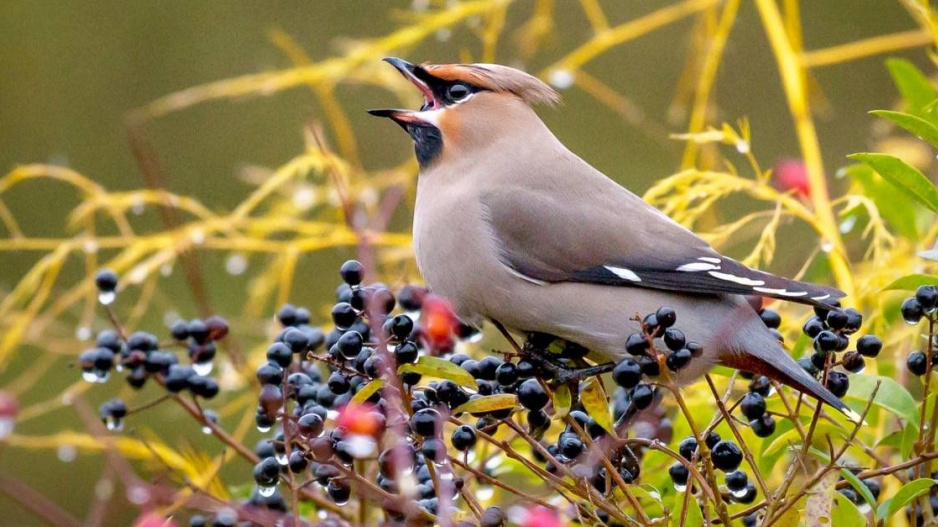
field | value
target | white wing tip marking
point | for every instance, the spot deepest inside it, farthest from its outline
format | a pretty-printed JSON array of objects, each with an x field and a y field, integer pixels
[
  {"x": 741, "y": 280},
  {"x": 822, "y": 297},
  {"x": 780, "y": 292},
  {"x": 698, "y": 266},
  {"x": 625, "y": 274}
]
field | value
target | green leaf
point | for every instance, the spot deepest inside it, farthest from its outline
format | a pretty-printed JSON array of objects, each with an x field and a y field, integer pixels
[
  {"x": 441, "y": 369},
  {"x": 891, "y": 396},
  {"x": 594, "y": 400},
  {"x": 906, "y": 494},
  {"x": 845, "y": 512},
  {"x": 488, "y": 403},
  {"x": 693, "y": 517},
  {"x": 562, "y": 401},
  {"x": 904, "y": 176},
  {"x": 914, "y": 86},
  {"x": 888, "y": 199},
  {"x": 650, "y": 498},
  {"x": 915, "y": 125},
  {"x": 793, "y": 437},
  {"x": 368, "y": 390},
  {"x": 912, "y": 282},
  {"x": 859, "y": 486}
]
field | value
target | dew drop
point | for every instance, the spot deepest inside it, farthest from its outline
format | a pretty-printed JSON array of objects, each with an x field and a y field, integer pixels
[
  {"x": 266, "y": 491},
  {"x": 304, "y": 198},
  {"x": 206, "y": 430},
  {"x": 680, "y": 488},
  {"x": 485, "y": 492},
  {"x": 137, "y": 206},
  {"x": 118, "y": 367},
  {"x": 263, "y": 429},
  {"x": 114, "y": 425},
  {"x": 202, "y": 368},
  {"x": 89, "y": 246},
  {"x": 827, "y": 246},
  {"x": 562, "y": 79},
  {"x": 89, "y": 376},
  {"x": 236, "y": 264},
  {"x": 281, "y": 458},
  {"x": 742, "y": 146},
  {"x": 83, "y": 333},
  {"x": 102, "y": 377},
  {"x": 67, "y": 453},
  {"x": 6, "y": 426},
  {"x": 341, "y": 503},
  {"x": 197, "y": 236},
  {"x": 166, "y": 269},
  {"x": 107, "y": 297},
  {"x": 739, "y": 493},
  {"x": 848, "y": 224},
  {"x": 138, "y": 495}
]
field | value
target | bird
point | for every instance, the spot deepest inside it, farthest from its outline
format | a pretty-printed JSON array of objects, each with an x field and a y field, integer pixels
[{"x": 512, "y": 227}]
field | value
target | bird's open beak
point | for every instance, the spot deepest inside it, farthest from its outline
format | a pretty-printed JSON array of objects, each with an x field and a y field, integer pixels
[
  {"x": 406, "y": 118},
  {"x": 414, "y": 74}
]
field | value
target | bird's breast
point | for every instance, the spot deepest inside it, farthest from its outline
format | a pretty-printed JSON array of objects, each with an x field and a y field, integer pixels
[{"x": 455, "y": 255}]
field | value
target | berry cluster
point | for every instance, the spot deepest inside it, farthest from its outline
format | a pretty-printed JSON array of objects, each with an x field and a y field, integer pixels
[
  {"x": 645, "y": 348},
  {"x": 830, "y": 329},
  {"x": 349, "y": 407},
  {"x": 922, "y": 306},
  {"x": 725, "y": 455},
  {"x": 141, "y": 356}
]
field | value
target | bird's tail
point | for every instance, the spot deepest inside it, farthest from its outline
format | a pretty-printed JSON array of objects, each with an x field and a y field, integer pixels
[{"x": 778, "y": 365}]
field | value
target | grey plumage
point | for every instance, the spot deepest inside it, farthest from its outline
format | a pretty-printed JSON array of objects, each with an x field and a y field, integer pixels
[{"x": 512, "y": 226}]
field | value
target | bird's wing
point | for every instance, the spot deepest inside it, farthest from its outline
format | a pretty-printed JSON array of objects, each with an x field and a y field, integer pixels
[{"x": 609, "y": 236}]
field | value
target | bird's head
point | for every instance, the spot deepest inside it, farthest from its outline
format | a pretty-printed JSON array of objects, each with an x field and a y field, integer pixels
[{"x": 466, "y": 106}]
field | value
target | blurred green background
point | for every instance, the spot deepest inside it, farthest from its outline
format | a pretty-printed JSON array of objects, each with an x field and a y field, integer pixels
[{"x": 71, "y": 71}]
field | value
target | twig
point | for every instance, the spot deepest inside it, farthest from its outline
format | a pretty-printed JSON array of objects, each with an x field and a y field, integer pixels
[{"x": 41, "y": 506}]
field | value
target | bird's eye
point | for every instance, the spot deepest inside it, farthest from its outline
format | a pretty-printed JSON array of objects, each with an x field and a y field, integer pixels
[{"x": 457, "y": 92}]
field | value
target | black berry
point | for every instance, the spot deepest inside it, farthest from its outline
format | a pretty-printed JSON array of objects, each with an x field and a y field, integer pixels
[
  {"x": 753, "y": 405},
  {"x": 531, "y": 395},
  {"x": 351, "y": 272},
  {"x": 106, "y": 280},
  {"x": 726, "y": 456},
  {"x": 869, "y": 345}
]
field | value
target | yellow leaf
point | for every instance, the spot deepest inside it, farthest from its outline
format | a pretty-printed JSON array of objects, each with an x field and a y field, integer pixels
[
  {"x": 594, "y": 400},
  {"x": 368, "y": 390},
  {"x": 488, "y": 403},
  {"x": 562, "y": 401},
  {"x": 442, "y": 369}
]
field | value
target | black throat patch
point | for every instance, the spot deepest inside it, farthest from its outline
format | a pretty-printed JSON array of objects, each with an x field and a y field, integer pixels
[{"x": 428, "y": 143}]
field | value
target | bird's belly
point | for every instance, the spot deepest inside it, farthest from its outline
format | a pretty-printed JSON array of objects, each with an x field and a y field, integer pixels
[{"x": 602, "y": 317}]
